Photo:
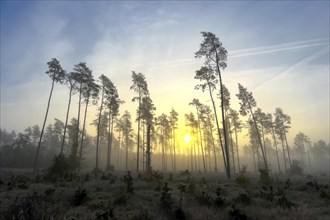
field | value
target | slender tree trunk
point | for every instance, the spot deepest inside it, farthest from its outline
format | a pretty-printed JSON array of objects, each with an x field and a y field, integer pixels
[
  {"x": 98, "y": 132},
  {"x": 309, "y": 159},
  {"x": 75, "y": 142},
  {"x": 192, "y": 157},
  {"x": 143, "y": 149},
  {"x": 213, "y": 145},
  {"x": 148, "y": 153},
  {"x": 66, "y": 119},
  {"x": 126, "y": 151},
  {"x": 174, "y": 150},
  {"x": 232, "y": 152},
  {"x": 254, "y": 158},
  {"x": 218, "y": 129},
  {"x": 282, "y": 141},
  {"x": 238, "y": 163},
  {"x": 201, "y": 140},
  {"x": 82, "y": 135},
  {"x": 278, "y": 159},
  {"x": 259, "y": 139},
  {"x": 288, "y": 149},
  {"x": 110, "y": 137},
  {"x": 43, "y": 128},
  {"x": 138, "y": 138},
  {"x": 263, "y": 141}
]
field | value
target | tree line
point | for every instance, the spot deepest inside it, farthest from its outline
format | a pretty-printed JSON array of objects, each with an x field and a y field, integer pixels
[{"x": 214, "y": 137}]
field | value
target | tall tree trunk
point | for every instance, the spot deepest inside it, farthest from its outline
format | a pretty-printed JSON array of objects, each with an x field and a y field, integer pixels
[
  {"x": 309, "y": 159},
  {"x": 138, "y": 138},
  {"x": 126, "y": 151},
  {"x": 288, "y": 149},
  {"x": 110, "y": 135},
  {"x": 219, "y": 132},
  {"x": 82, "y": 135},
  {"x": 75, "y": 142},
  {"x": 238, "y": 163},
  {"x": 278, "y": 159},
  {"x": 174, "y": 150},
  {"x": 283, "y": 149},
  {"x": 148, "y": 153},
  {"x": 66, "y": 119},
  {"x": 223, "y": 118},
  {"x": 43, "y": 128},
  {"x": 98, "y": 132},
  {"x": 143, "y": 150},
  {"x": 213, "y": 145},
  {"x": 201, "y": 140},
  {"x": 259, "y": 139},
  {"x": 263, "y": 141},
  {"x": 254, "y": 158}
]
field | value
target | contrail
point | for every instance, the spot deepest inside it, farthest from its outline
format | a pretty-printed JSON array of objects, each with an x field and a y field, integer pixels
[
  {"x": 305, "y": 60},
  {"x": 279, "y": 49},
  {"x": 285, "y": 45},
  {"x": 249, "y": 52}
]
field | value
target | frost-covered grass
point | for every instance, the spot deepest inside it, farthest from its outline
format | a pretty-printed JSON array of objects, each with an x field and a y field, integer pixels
[{"x": 23, "y": 195}]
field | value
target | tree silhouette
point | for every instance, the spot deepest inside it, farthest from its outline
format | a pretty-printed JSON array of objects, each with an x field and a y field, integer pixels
[
  {"x": 57, "y": 74},
  {"x": 275, "y": 142},
  {"x": 197, "y": 104},
  {"x": 113, "y": 103},
  {"x": 282, "y": 122},
  {"x": 89, "y": 90},
  {"x": 104, "y": 82},
  {"x": 125, "y": 125},
  {"x": 237, "y": 124},
  {"x": 173, "y": 122},
  {"x": 216, "y": 56},
  {"x": 139, "y": 86},
  {"x": 247, "y": 102},
  {"x": 207, "y": 74},
  {"x": 80, "y": 75},
  {"x": 70, "y": 80},
  {"x": 193, "y": 124},
  {"x": 302, "y": 143},
  {"x": 146, "y": 116}
]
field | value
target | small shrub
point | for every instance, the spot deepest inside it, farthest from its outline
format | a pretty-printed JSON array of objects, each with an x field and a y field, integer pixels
[
  {"x": 182, "y": 188},
  {"x": 166, "y": 198},
  {"x": 243, "y": 199},
  {"x": 219, "y": 200},
  {"x": 30, "y": 206},
  {"x": 79, "y": 197},
  {"x": 296, "y": 168},
  {"x": 59, "y": 167},
  {"x": 191, "y": 185},
  {"x": 105, "y": 212},
  {"x": 264, "y": 177},
  {"x": 120, "y": 198},
  {"x": 267, "y": 193},
  {"x": 157, "y": 175},
  {"x": 242, "y": 180},
  {"x": 128, "y": 180},
  {"x": 205, "y": 198},
  {"x": 185, "y": 173}
]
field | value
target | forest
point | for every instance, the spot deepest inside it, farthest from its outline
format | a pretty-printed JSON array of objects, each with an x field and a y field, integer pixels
[{"x": 143, "y": 167}]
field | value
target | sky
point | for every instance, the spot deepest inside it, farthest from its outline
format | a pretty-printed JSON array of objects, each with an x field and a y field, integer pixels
[{"x": 279, "y": 50}]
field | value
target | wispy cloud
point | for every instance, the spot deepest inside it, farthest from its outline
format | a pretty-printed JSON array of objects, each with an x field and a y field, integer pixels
[{"x": 323, "y": 51}]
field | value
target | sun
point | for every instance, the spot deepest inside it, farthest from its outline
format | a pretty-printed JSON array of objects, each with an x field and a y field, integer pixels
[{"x": 187, "y": 138}]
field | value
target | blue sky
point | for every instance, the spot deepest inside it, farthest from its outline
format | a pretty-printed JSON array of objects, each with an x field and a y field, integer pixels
[{"x": 278, "y": 49}]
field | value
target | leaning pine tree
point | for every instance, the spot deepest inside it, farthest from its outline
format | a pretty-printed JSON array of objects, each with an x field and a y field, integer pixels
[
  {"x": 216, "y": 57},
  {"x": 57, "y": 74},
  {"x": 247, "y": 102}
]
